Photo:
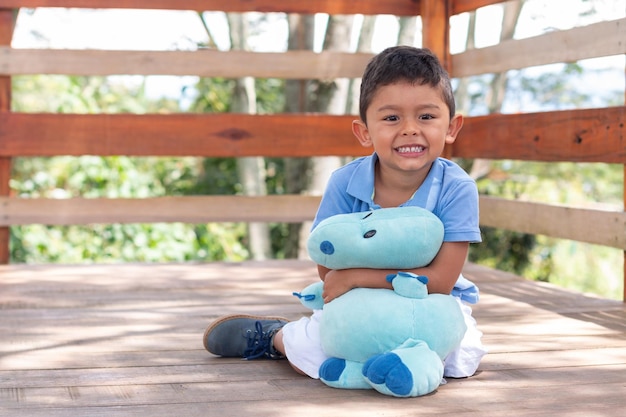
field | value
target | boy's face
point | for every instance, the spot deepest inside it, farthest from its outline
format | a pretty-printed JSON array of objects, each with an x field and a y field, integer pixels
[{"x": 408, "y": 126}]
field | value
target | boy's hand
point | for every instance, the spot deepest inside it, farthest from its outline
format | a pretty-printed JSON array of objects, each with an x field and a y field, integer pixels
[{"x": 337, "y": 283}]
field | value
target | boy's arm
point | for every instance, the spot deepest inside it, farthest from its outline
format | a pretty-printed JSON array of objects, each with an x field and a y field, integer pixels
[{"x": 442, "y": 273}]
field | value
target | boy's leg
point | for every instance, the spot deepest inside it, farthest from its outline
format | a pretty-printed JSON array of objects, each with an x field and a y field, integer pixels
[
  {"x": 302, "y": 344},
  {"x": 463, "y": 361},
  {"x": 279, "y": 345}
]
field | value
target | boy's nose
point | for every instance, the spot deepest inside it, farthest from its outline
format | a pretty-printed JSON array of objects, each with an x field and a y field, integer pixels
[{"x": 410, "y": 129}]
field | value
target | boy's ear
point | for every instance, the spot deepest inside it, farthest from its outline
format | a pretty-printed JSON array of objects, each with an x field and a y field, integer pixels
[
  {"x": 454, "y": 128},
  {"x": 360, "y": 131}
]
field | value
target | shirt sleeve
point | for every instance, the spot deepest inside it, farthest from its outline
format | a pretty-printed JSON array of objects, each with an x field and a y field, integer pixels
[
  {"x": 458, "y": 210},
  {"x": 335, "y": 199}
]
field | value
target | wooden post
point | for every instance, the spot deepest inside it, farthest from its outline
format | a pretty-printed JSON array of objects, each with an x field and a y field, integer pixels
[
  {"x": 436, "y": 36},
  {"x": 7, "y": 24}
]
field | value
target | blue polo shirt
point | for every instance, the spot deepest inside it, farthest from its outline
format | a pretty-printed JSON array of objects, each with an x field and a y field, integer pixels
[{"x": 447, "y": 191}]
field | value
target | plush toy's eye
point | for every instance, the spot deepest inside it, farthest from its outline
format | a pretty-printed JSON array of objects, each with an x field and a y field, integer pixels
[{"x": 369, "y": 234}]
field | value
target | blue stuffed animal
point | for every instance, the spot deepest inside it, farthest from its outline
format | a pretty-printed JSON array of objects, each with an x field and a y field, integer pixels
[{"x": 393, "y": 341}]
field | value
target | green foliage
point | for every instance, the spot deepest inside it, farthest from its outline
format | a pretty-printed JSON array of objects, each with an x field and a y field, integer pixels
[
  {"x": 63, "y": 94},
  {"x": 126, "y": 243},
  {"x": 115, "y": 177},
  {"x": 503, "y": 250},
  {"x": 575, "y": 265}
]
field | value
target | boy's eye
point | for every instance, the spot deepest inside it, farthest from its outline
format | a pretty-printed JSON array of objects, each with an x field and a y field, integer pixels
[
  {"x": 391, "y": 118},
  {"x": 427, "y": 117}
]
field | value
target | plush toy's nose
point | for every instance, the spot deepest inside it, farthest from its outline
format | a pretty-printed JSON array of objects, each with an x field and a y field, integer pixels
[{"x": 327, "y": 248}]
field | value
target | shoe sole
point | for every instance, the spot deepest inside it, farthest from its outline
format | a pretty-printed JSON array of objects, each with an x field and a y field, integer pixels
[{"x": 222, "y": 319}]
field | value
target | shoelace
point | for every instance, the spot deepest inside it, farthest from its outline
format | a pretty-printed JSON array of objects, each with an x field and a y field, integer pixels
[{"x": 260, "y": 343}]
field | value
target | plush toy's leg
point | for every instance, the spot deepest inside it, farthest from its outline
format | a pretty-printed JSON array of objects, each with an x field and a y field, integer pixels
[
  {"x": 340, "y": 373},
  {"x": 409, "y": 371}
]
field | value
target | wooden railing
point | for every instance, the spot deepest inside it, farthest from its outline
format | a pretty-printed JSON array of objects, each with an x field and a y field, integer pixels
[{"x": 583, "y": 135}]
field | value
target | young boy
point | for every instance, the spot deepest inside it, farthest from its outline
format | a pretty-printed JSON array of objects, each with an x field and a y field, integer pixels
[{"x": 407, "y": 114}]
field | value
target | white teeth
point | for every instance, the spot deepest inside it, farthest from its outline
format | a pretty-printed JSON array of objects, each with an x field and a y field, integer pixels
[{"x": 406, "y": 149}]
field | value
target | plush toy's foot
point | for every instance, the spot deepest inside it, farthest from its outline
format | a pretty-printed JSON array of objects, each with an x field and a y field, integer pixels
[
  {"x": 409, "y": 371},
  {"x": 339, "y": 373}
]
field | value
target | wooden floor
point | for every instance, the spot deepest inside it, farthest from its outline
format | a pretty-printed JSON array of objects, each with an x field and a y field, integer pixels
[{"x": 126, "y": 340}]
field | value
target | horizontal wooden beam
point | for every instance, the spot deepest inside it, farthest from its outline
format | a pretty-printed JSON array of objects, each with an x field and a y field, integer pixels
[
  {"x": 189, "y": 209},
  {"x": 369, "y": 7},
  {"x": 587, "y": 135},
  {"x": 592, "y": 226},
  {"x": 204, "y": 63},
  {"x": 592, "y": 41},
  {"x": 599, "y": 227},
  {"x": 462, "y": 6},
  {"x": 596, "y": 40},
  {"x": 210, "y": 135}
]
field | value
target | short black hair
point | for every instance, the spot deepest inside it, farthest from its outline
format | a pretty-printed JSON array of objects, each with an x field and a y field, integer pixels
[{"x": 404, "y": 63}]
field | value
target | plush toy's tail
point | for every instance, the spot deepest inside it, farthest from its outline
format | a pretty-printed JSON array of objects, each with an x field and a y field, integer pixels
[{"x": 311, "y": 296}]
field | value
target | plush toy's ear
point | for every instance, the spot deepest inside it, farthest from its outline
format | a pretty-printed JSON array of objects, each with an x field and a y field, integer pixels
[{"x": 397, "y": 238}]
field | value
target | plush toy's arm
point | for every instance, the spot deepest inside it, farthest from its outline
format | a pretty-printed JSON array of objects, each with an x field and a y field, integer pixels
[
  {"x": 311, "y": 296},
  {"x": 407, "y": 284}
]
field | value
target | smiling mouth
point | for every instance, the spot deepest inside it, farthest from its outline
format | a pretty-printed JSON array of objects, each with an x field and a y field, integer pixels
[{"x": 410, "y": 149}]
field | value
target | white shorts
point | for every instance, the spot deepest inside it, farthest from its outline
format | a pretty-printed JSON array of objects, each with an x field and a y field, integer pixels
[{"x": 304, "y": 349}]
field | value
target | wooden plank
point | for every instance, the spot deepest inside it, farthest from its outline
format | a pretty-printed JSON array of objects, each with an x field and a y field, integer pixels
[
  {"x": 7, "y": 25},
  {"x": 204, "y": 63},
  {"x": 436, "y": 29},
  {"x": 592, "y": 226},
  {"x": 589, "y": 135},
  {"x": 436, "y": 35},
  {"x": 280, "y": 387},
  {"x": 190, "y": 209},
  {"x": 239, "y": 371},
  {"x": 592, "y": 41},
  {"x": 600, "y": 39},
  {"x": 584, "y": 135},
  {"x": 134, "y": 348},
  {"x": 6, "y": 164},
  {"x": 584, "y": 225},
  {"x": 462, "y": 6},
  {"x": 395, "y": 7},
  {"x": 217, "y": 135}
]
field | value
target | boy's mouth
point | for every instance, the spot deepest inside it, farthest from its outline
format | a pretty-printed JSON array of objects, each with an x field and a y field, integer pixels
[{"x": 410, "y": 149}]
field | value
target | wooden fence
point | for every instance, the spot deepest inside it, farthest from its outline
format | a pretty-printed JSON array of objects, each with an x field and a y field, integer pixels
[{"x": 581, "y": 135}]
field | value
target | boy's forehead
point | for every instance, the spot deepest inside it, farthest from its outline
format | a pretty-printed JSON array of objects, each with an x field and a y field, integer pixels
[{"x": 409, "y": 89}]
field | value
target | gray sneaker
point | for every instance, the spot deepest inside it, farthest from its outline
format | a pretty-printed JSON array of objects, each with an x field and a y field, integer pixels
[{"x": 243, "y": 336}]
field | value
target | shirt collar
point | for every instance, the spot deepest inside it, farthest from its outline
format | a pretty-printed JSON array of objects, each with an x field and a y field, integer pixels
[{"x": 361, "y": 185}]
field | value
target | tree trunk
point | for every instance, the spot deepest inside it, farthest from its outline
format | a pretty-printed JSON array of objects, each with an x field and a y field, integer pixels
[
  {"x": 301, "y": 37},
  {"x": 364, "y": 44},
  {"x": 331, "y": 98},
  {"x": 497, "y": 90},
  {"x": 406, "y": 34},
  {"x": 251, "y": 170}
]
